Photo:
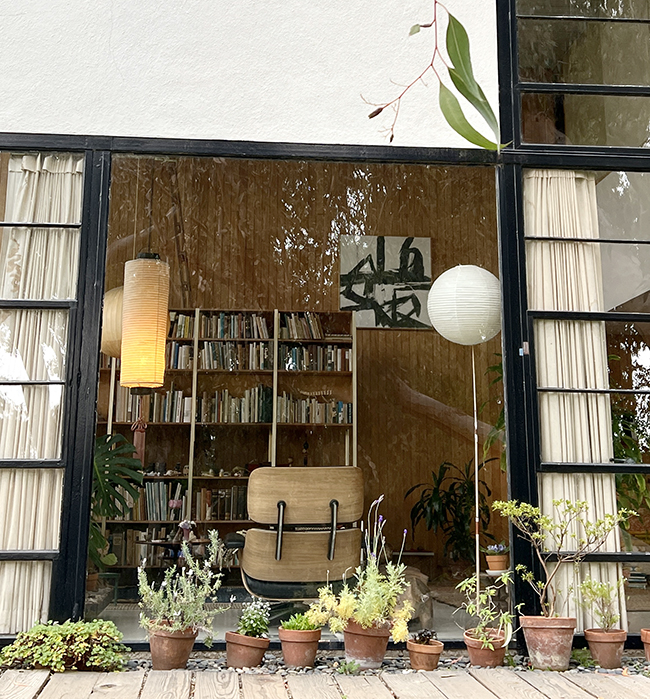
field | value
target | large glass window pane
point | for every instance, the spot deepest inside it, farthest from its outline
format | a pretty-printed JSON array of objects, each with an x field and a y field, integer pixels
[
  {"x": 614, "y": 9},
  {"x": 33, "y": 345},
  {"x": 31, "y": 422},
  {"x": 24, "y": 594}
]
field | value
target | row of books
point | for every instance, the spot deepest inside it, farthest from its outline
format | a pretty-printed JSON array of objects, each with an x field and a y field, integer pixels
[
  {"x": 234, "y": 326},
  {"x": 178, "y": 356},
  {"x": 129, "y": 553},
  {"x": 233, "y": 356},
  {"x": 221, "y": 504},
  {"x": 300, "y": 326},
  {"x": 314, "y": 358},
  {"x": 153, "y": 503},
  {"x": 256, "y": 405},
  {"x": 311, "y": 410},
  {"x": 181, "y": 326},
  {"x": 167, "y": 406}
]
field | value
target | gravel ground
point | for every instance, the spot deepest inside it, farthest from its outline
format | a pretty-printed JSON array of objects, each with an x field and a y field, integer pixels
[{"x": 396, "y": 661}]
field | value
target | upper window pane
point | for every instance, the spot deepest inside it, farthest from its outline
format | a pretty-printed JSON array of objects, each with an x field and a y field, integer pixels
[{"x": 614, "y": 9}]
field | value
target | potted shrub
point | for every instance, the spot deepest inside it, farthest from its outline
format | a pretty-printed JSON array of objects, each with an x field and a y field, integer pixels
[
  {"x": 496, "y": 556},
  {"x": 549, "y": 637},
  {"x": 246, "y": 646},
  {"x": 368, "y": 611},
  {"x": 488, "y": 640},
  {"x": 175, "y": 611},
  {"x": 424, "y": 650},
  {"x": 299, "y": 638},
  {"x": 605, "y": 642}
]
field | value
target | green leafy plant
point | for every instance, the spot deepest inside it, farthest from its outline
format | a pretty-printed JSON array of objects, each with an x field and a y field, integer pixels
[
  {"x": 602, "y": 599},
  {"x": 447, "y": 504},
  {"x": 115, "y": 473},
  {"x": 582, "y": 656},
  {"x": 348, "y": 667},
  {"x": 299, "y": 622},
  {"x": 424, "y": 636},
  {"x": 73, "y": 645},
  {"x": 255, "y": 618},
  {"x": 491, "y": 621},
  {"x": 373, "y": 599},
  {"x": 179, "y": 601},
  {"x": 567, "y": 535}
]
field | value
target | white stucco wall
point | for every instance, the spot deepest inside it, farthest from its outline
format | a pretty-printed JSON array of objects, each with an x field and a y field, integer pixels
[{"x": 270, "y": 70}]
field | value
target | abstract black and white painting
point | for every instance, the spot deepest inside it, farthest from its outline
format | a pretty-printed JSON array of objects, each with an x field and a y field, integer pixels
[{"x": 386, "y": 280}]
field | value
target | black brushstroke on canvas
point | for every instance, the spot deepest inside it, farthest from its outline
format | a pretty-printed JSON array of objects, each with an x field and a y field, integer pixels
[{"x": 403, "y": 309}]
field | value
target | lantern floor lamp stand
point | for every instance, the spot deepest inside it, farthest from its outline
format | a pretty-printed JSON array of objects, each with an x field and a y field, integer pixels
[{"x": 464, "y": 306}]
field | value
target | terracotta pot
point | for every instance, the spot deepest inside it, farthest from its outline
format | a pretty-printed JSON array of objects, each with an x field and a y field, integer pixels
[
  {"x": 497, "y": 562},
  {"x": 485, "y": 657},
  {"x": 549, "y": 641},
  {"x": 244, "y": 651},
  {"x": 366, "y": 647},
  {"x": 299, "y": 647},
  {"x": 606, "y": 646},
  {"x": 92, "y": 582},
  {"x": 170, "y": 650},
  {"x": 645, "y": 639},
  {"x": 424, "y": 656}
]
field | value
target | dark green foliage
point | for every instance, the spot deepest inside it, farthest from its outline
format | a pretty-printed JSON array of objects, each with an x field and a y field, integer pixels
[
  {"x": 81, "y": 645},
  {"x": 424, "y": 636},
  {"x": 447, "y": 504}
]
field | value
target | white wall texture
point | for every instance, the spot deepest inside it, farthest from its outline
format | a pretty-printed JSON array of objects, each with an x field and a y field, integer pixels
[{"x": 269, "y": 70}]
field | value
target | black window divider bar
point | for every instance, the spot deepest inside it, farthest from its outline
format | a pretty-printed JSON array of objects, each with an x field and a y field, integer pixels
[
  {"x": 585, "y": 88},
  {"x": 35, "y": 463},
  {"x": 556, "y": 239},
  {"x": 604, "y": 391},
  {"x": 38, "y": 304},
  {"x": 612, "y": 316},
  {"x": 606, "y": 557},
  {"x": 604, "y": 468},
  {"x": 29, "y": 555},
  {"x": 580, "y": 18},
  {"x": 36, "y": 382},
  {"x": 25, "y": 224}
]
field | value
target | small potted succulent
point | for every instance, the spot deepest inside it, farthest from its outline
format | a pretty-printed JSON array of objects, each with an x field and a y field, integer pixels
[
  {"x": 424, "y": 650},
  {"x": 605, "y": 642},
  {"x": 299, "y": 638},
  {"x": 496, "y": 556},
  {"x": 246, "y": 646},
  {"x": 174, "y": 611},
  {"x": 487, "y": 641}
]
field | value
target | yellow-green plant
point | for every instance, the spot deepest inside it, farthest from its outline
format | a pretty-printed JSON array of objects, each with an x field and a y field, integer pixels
[
  {"x": 373, "y": 600},
  {"x": 602, "y": 599}
]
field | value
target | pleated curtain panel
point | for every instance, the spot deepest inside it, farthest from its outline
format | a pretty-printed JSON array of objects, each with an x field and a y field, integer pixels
[
  {"x": 35, "y": 263},
  {"x": 574, "y": 428}
]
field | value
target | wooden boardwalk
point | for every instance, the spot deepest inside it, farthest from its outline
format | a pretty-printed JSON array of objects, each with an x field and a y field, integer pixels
[{"x": 441, "y": 684}]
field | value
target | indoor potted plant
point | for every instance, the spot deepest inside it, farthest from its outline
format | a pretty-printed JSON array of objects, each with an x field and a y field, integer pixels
[
  {"x": 299, "y": 638},
  {"x": 487, "y": 641},
  {"x": 496, "y": 556},
  {"x": 368, "y": 611},
  {"x": 605, "y": 642},
  {"x": 175, "y": 610},
  {"x": 246, "y": 646},
  {"x": 549, "y": 637},
  {"x": 424, "y": 650}
]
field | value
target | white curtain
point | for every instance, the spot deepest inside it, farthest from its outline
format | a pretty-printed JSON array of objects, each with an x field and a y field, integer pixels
[
  {"x": 35, "y": 263},
  {"x": 567, "y": 276}
]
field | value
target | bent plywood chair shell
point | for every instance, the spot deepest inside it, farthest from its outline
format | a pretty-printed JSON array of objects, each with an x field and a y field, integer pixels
[{"x": 307, "y": 492}]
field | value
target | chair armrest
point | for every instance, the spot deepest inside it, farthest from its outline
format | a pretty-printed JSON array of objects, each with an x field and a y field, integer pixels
[{"x": 233, "y": 540}]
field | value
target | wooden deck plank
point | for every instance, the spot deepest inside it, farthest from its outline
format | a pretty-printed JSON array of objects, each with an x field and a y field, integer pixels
[
  {"x": 313, "y": 687},
  {"x": 505, "y": 683},
  {"x": 63, "y": 685},
  {"x": 167, "y": 684},
  {"x": 118, "y": 685},
  {"x": 263, "y": 687},
  {"x": 22, "y": 684},
  {"x": 601, "y": 685},
  {"x": 216, "y": 685},
  {"x": 362, "y": 687},
  {"x": 454, "y": 684},
  {"x": 412, "y": 686},
  {"x": 553, "y": 685},
  {"x": 638, "y": 682}
]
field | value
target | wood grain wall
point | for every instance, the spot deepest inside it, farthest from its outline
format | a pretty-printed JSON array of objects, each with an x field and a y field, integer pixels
[{"x": 256, "y": 234}]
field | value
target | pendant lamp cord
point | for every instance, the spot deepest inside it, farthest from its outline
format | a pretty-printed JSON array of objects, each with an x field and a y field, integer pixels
[{"x": 476, "y": 489}]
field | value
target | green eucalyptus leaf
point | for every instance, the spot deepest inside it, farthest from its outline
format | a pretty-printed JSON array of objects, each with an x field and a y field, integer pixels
[
  {"x": 414, "y": 29},
  {"x": 476, "y": 97},
  {"x": 451, "y": 110},
  {"x": 458, "y": 49}
]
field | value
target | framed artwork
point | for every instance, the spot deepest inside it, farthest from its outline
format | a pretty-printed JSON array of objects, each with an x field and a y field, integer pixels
[{"x": 386, "y": 280}]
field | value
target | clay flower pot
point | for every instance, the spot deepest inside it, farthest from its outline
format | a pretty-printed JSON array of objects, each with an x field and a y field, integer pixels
[
  {"x": 170, "y": 650},
  {"x": 299, "y": 647},
  {"x": 606, "y": 647},
  {"x": 424, "y": 656},
  {"x": 497, "y": 561},
  {"x": 244, "y": 651},
  {"x": 366, "y": 647},
  {"x": 645, "y": 639},
  {"x": 485, "y": 657},
  {"x": 549, "y": 641},
  {"x": 92, "y": 581}
]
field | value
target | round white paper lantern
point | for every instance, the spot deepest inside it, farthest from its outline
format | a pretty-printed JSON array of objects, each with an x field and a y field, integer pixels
[{"x": 464, "y": 305}]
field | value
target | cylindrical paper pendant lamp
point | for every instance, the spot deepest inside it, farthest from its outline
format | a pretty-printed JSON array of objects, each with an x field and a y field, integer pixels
[
  {"x": 112, "y": 322},
  {"x": 145, "y": 319},
  {"x": 464, "y": 305}
]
